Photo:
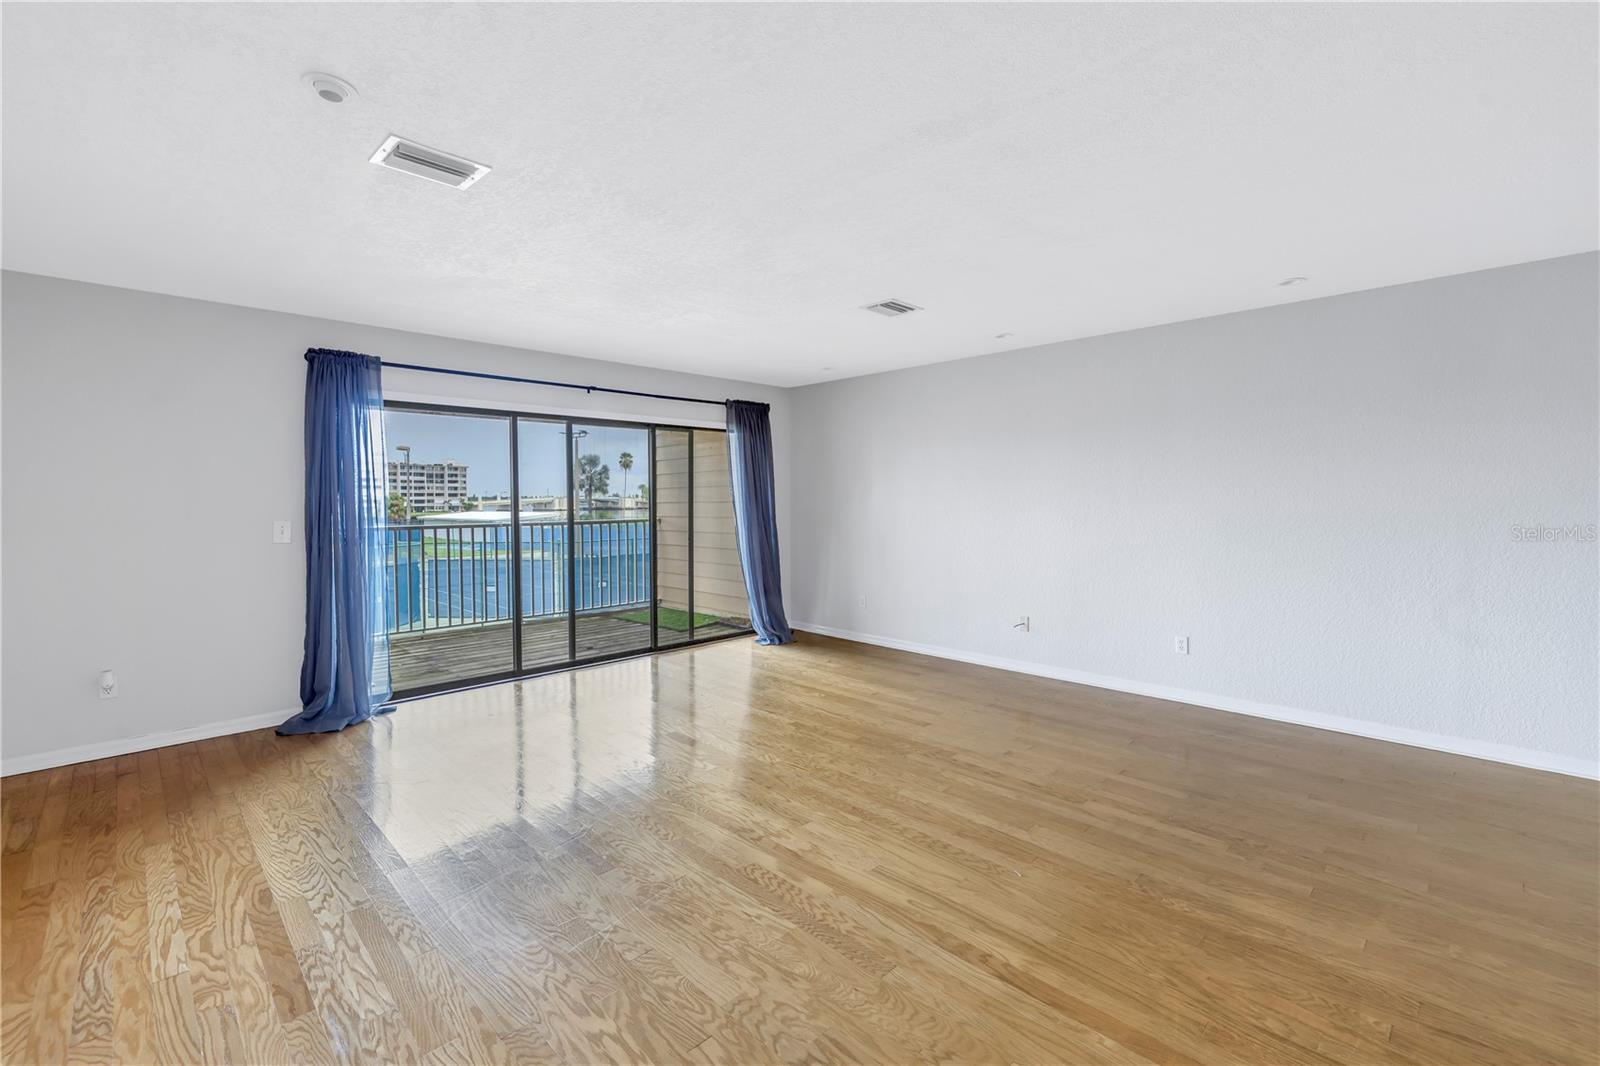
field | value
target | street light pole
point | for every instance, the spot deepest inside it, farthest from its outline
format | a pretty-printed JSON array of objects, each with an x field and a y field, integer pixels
[
  {"x": 403, "y": 477},
  {"x": 577, "y": 435}
]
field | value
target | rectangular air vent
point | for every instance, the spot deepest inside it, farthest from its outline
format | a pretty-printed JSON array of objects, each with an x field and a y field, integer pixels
[
  {"x": 893, "y": 307},
  {"x": 408, "y": 157}
]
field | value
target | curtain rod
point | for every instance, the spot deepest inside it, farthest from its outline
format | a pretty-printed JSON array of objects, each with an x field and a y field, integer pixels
[{"x": 552, "y": 384}]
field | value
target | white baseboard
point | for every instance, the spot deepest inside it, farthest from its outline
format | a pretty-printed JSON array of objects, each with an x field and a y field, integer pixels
[
  {"x": 1476, "y": 749},
  {"x": 1416, "y": 738},
  {"x": 23, "y": 764}
]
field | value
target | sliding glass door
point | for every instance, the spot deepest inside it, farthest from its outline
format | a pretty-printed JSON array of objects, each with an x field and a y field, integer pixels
[
  {"x": 544, "y": 620},
  {"x": 521, "y": 543},
  {"x": 671, "y": 495},
  {"x": 448, "y": 553},
  {"x": 610, "y": 473},
  {"x": 721, "y": 605},
  {"x": 700, "y": 590}
]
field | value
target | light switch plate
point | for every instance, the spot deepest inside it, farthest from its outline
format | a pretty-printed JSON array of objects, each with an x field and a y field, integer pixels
[{"x": 280, "y": 532}]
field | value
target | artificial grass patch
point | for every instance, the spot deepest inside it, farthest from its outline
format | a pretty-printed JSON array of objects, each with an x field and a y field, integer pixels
[{"x": 671, "y": 618}]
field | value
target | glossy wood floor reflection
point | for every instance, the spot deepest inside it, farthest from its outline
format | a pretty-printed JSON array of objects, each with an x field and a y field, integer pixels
[{"x": 825, "y": 852}]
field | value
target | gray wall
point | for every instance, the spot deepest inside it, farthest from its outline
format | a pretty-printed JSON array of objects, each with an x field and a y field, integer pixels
[
  {"x": 1321, "y": 496},
  {"x": 149, "y": 443}
]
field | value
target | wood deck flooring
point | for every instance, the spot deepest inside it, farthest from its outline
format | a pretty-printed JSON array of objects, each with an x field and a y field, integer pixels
[{"x": 422, "y": 659}]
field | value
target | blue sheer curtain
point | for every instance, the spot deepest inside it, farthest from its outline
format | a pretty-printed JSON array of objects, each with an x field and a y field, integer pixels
[
  {"x": 755, "y": 518},
  {"x": 344, "y": 678}
]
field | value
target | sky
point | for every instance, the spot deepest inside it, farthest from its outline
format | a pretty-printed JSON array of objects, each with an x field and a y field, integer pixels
[{"x": 483, "y": 444}]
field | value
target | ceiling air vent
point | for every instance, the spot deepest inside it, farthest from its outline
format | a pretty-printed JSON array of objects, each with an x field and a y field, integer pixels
[
  {"x": 893, "y": 307},
  {"x": 408, "y": 157}
]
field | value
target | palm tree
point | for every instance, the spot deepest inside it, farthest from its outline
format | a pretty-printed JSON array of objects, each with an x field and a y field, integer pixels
[
  {"x": 398, "y": 511},
  {"x": 593, "y": 477},
  {"x": 625, "y": 464}
]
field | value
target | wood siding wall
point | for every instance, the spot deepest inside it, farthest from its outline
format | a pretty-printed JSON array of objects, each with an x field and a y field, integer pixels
[{"x": 718, "y": 578}]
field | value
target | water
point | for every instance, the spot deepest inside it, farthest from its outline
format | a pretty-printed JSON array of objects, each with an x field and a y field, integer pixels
[{"x": 453, "y": 575}]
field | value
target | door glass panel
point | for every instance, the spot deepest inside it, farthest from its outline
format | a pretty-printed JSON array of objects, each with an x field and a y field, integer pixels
[
  {"x": 483, "y": 585},
  {"x": 721, "y": 605},
  {"x": 671, "y": 491},
  {"x": 611, "y": 479},
  {"x": 448, "y": 547},
  {"x": 542, "y": 514}
]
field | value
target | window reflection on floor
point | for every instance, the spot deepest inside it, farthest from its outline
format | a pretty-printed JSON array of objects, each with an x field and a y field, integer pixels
[
  {"x": 615, "y": 726},
  {"x": 539, "y": 747}
]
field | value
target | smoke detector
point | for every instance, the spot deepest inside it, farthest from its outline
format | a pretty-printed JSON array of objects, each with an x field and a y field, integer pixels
[
  {"x": 408, "y": 157},
  {"x": 892, "y": 308},
  {"x": 333, "y": 89}
]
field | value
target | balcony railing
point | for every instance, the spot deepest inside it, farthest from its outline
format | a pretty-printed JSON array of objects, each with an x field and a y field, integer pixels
[{"x": 442, "y": 575}]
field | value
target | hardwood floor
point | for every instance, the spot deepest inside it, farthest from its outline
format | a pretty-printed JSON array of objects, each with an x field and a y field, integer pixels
[{"x": 825, "y": 852}]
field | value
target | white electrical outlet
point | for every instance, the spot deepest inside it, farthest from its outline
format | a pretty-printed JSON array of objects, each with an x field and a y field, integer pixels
[
  {"x": 280, "y": 532},
  {"x": 863, "y": 602},
  {"x": 108, "y": 685},
  {"x": 1180, "y": 645}
]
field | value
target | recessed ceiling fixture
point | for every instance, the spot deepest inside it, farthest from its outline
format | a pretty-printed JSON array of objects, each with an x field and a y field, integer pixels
[
  {"x": 331, "y": 88},
  {"x": 408, "y": 157},
  {"x": 892, "y": 308},
  {"x": 1286, "y": 282}
]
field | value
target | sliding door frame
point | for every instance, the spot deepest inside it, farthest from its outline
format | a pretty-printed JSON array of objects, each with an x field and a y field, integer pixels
[
  {"x": 569, "y": 422},
  {"x": 514, "y": 566},
  {"x": 572, "y": 541},
  {"x": 689, "y": 569},
  {"x": 655, "y": 546}
]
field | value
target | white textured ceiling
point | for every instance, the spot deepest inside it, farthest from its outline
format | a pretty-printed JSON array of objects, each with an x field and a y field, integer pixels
[{"x": 720, "y": 188}]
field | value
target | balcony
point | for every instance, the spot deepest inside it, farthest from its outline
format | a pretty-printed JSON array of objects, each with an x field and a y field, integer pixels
[{"x": 452, "y": 604}]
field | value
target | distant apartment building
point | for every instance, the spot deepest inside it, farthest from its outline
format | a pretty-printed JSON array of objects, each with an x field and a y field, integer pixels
[
  {"x": 429, "y": 486},
  {"x": 639, "y": 506}
]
